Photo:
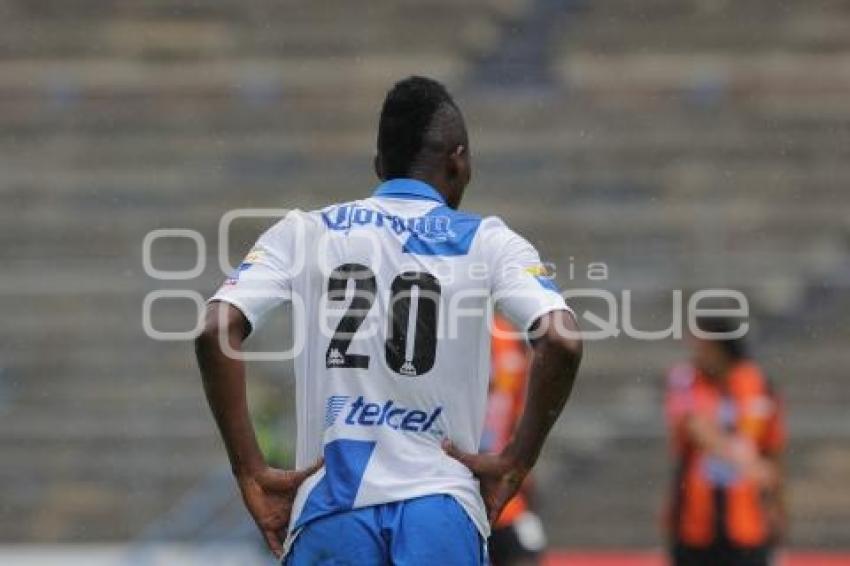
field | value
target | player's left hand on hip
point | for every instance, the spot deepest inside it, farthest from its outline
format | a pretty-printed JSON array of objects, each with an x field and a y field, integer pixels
[
  {"x": 500, "y": 476},
  {"x": 269, "y": 495}
]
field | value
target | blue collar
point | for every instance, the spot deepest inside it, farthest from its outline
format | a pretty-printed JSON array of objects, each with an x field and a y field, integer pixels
[{"x": 408, "y": 189}]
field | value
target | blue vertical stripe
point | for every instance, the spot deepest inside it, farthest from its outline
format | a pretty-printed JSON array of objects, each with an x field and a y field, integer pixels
[{"x": 345, "y": 464}]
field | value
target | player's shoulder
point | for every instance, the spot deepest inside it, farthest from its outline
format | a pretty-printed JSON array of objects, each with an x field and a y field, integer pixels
[
  {"x": 496, "y": 237},
  {"x": 291, "y": 231},
  {"x": 493, "y": 223},
  {"x": 496, "y": 227},
  {"x": 294, "y": 220}
]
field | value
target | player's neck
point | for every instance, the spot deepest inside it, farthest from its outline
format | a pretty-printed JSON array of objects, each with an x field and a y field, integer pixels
[{"x": 441, "y": 185}]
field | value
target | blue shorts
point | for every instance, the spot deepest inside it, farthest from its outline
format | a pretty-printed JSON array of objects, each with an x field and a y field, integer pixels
[{"x": 417, "y": 532}]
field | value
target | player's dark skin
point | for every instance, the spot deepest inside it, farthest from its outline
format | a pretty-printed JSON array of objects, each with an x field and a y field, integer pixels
[
  {"x": 556, "y": 356},
  {"x": 268, "y": 493}
]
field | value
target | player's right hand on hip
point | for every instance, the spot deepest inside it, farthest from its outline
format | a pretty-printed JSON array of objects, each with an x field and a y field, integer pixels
[
  {"x": 499, "y": 475},
  {"x": 269, "y": 495}
]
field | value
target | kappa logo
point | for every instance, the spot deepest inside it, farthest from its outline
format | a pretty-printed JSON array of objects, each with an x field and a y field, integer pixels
[{"x": 335, "y": 358}]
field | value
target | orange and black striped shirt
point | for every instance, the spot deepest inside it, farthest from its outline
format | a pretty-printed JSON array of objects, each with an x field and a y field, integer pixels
[{"x": 711, "y": 500}]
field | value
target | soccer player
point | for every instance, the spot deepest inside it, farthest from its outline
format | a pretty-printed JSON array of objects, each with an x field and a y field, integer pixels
[
  {"x": 727, "y": 433},
  {"x": 390, "y": 296}
]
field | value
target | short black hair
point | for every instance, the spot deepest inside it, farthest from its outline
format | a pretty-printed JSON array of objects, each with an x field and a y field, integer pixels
[
  {"x": 406, "y": 115},
  {"x": 735, "y": 348}
]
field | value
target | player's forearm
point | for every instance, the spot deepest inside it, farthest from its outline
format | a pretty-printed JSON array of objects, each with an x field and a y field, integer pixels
[
  {"x": 224, "y": 385},
  {"x": 553, "y": 370}
]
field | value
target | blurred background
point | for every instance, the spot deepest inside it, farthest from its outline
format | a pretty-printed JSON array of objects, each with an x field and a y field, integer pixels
[{"x": 684, "y": 143}]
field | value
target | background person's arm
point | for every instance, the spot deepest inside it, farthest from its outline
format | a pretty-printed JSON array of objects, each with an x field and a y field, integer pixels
[
  {"x": 268, "y": 493},
  {"x": 708, "y": 436},
  {"x": 556, "y": 356},
  {"x": 775, "y": 501},
  {"x": 741, "y": 454},
  {"x": 773, "y": 446}
]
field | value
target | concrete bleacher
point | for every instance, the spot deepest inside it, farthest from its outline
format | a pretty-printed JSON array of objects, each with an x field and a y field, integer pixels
[{"x": 674, "y": 143}]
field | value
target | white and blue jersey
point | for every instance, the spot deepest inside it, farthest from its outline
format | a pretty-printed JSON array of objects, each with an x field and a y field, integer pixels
[{"x": 391, "y": 300}]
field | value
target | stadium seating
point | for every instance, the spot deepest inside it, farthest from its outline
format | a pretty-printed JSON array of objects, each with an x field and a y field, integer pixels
[{"x": 686, "y": 144}]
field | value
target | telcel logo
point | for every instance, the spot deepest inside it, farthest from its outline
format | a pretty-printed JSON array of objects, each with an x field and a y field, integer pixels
[{"x": 399, "y": 418}]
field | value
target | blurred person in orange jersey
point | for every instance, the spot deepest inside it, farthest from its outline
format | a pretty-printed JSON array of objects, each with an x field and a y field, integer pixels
[
  {"x": 727, "y": 433},
  {"x": 517, "y": 537}
]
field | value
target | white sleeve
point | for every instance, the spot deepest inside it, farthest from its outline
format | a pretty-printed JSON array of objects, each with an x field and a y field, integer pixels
[
  {"x": 522, "y": 287},
  {"x": 263, "y": 280}
]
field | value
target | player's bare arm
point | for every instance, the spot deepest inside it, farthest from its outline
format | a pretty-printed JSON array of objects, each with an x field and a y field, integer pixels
[
  {"x": 268, "y": 492},
  {"x": 556, "y": 358}
]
